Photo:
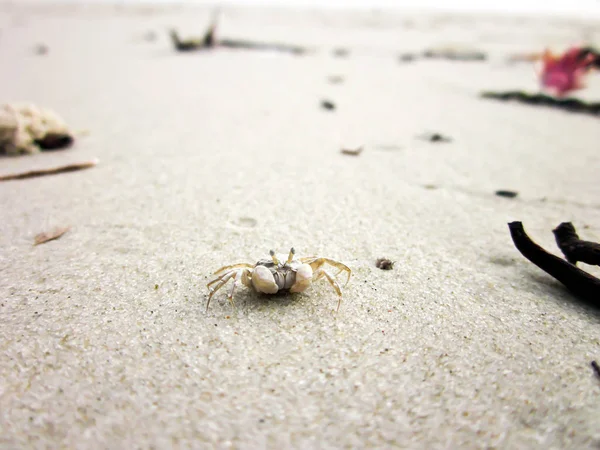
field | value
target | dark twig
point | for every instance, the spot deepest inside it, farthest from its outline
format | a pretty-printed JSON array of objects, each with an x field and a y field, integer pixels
[
  {"x": 352, "y": 151},
  {"x": 575, "y": 249},
  {"x": 576, "y": 280},
  {"x": 51, "y": 171},
  {"x": 434, "y": 137},
  {"x": 566, "y": 104},
  {"x": 210, "y": 41},
  {"x": 506, "y": 193}
]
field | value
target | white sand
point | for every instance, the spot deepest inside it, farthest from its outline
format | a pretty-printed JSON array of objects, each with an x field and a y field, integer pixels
[{"x": 214, "y": 158}]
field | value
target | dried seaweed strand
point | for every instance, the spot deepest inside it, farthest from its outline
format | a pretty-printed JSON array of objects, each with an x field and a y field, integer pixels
[
  {"x": 576, "y": 280},
  {"x": 566, "y": 104},
  {"x": 51, "y": 171}
]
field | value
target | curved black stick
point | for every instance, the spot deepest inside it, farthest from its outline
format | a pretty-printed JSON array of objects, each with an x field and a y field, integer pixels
[
  {"x": 576, "y": 280},
  {"x": 576, "y": 249}
]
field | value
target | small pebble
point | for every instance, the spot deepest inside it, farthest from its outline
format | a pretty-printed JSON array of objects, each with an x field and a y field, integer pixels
[
  {"x": 384, "y": 264},
  {"x": 335, "y": 79},
  {"x": 41, "y": 49},
  {"x": 341, "y": 52},
  {"x": 326, "y": 104}
]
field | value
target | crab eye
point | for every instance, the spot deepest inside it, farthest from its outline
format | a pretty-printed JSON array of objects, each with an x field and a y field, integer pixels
[
  {"x": 275, "y": 260},
  {"x": 291, "y": 255}
]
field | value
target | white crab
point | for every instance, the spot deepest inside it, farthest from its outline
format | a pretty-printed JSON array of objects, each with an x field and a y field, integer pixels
[{"x": 270, "y": 276}]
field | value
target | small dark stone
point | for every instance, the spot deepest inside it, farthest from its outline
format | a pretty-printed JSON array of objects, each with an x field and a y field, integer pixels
[
  {"x": 574, "y": 248},
  {"x": 384, "y": 264},
  {"x": 539, "y": 99},
  {"x": 341, "y": 52},
  {"x": 41, "y": 49},
  {"x": 507, "y": 194},
  {"x": 328, "y": 105}
]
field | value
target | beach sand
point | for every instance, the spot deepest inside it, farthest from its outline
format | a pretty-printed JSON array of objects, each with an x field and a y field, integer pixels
[{"x": 213, "y": 158}]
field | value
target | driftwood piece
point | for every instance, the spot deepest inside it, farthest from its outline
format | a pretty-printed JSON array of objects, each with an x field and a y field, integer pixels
[
  {"x": 575, "y": 249},
  {"x": 50, "y": 171},
  {"x": 576, "y": 280}
]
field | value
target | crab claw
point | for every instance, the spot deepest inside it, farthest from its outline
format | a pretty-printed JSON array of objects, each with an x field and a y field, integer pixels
[
  {"x": 304, "y": 276},
  {"x": 263, "y": 281}
]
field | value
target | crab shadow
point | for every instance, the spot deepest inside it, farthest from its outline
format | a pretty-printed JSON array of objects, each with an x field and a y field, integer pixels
[{"x": 253, "y": 301}]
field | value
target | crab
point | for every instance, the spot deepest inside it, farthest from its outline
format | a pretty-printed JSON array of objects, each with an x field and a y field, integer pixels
[{"x": 269, "y": 276}]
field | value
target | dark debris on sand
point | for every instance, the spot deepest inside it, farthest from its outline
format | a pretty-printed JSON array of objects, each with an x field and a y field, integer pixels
[
  {"x": 384, "y": 264},
  {"x": 210, "y": 41},
  {"x": 434, "y": 137},
  {"x": 566, "y": 104},
  {"x": 506, "y": 193},
  {"x": 579, "y": 282},
  {"x": 450, "y": 54},
  {"x": 327, "y": 105},
  {"x": 575, "y": 249}
]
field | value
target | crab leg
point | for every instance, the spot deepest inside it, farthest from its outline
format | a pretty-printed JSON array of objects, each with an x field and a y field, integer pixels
[
  {"x": 221, "y": 282},
  {"x": 320, "y": 273},
  {"x": 238, "y": 276},
  {"x": 233, "y": 266},
  {"x": 219, "y": 278},
  {"x": 317, "y": 263}
]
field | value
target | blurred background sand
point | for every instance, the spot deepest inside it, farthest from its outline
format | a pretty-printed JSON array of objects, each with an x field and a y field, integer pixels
[{"x": 214, "y": 158}]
